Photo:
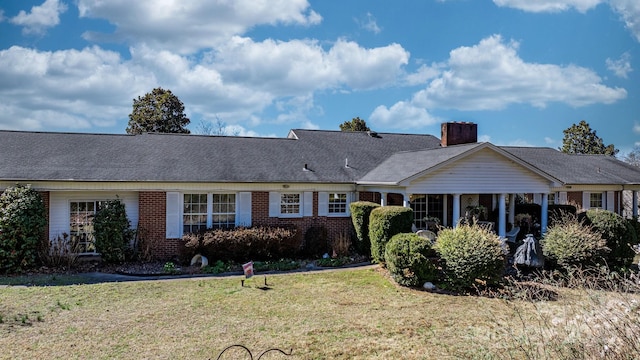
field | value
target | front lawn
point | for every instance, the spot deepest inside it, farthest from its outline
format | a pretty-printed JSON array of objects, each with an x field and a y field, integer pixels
[{"x": 355, "y": 314}]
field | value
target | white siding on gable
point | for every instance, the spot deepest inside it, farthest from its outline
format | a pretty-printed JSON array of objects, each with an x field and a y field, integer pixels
[
  {"x": 59, "y": 212},
  {"x": 485, "y": 172}
]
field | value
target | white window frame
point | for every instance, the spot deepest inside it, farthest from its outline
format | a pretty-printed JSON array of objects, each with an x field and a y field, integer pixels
[
  {"x": 601, "y": 200},
  {"x": 334, "y": 196},
  {"x": 305, "y": 204},
  {"x": 245, "y": 221},
  {"x": 90, "y": 239},
  {"x": 286, "y": 204}
]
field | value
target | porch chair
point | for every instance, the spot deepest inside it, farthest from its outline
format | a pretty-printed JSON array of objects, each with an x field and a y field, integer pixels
[
  {"x": 511, "y": 235},
  {"x": 427, "y": 234}
]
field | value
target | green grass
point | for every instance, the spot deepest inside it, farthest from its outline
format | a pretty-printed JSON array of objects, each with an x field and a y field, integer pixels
[{"x": 357, "y": 314}]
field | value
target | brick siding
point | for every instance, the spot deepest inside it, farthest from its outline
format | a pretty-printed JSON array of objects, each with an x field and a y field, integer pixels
[{"x": 152, "y": 225}]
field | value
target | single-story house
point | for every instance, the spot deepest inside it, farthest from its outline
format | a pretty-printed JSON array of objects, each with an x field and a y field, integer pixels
[{"x": 172, "y": 184}]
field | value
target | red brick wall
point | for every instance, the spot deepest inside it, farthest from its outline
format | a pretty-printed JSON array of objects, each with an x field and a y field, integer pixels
[
  {"x": 152, "y": 225},
  {"x": 260, "y": 217},
  {"x": 369, "y": 196},
  {"x": 574, "y": 198}
]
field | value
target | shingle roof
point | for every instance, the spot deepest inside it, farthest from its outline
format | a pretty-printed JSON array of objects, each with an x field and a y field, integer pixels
[
  {"x": 578, "y": 169},
  {"x": 403, "y": 165},
  {"x": 191, "y": 158}
]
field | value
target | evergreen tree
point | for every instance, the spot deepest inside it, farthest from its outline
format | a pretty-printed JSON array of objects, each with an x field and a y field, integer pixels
[
  {"x": 158, "y": 111},
  {"x": 581, "y": 139}
]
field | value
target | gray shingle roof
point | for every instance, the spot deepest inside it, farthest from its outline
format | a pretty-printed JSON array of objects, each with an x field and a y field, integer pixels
[
  {"x": 578, "y": 169},
  {"x": 403, "y": 165},
  {"x": 190, "y": 158}
]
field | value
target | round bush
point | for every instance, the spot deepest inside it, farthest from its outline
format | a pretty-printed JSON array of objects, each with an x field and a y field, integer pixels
[
  {"x": 470, "y": 252},
  {"x": 407, "y": 257},
  {"x": 616, "y": 231},
  {"x": 570, "y": 243},
  {"x": 384, "y": 222},
  {"x": 22, "y": 223}
]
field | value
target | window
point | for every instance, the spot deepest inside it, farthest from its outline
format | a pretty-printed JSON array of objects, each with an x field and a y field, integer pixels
[
  {"x": 224, "y": 211},
  {"x": 194, "y": 215},
  {"x": 337, "y": 203},
  {"x": 595, "y": 200},
  {"x": 551, "y": 198},
  {"x": 204, "y": 211},
  {"x": 81, "y": 225},
  {"x": 426, "y": 206},
  {"x": 289, "y": 203}
]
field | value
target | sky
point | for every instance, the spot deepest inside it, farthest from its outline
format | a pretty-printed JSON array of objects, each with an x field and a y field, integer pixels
[{"x": 523, "y": 70}]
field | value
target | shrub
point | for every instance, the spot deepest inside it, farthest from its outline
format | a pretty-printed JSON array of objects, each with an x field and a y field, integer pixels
[
  {"x": 59, "y": 253},
  {"x": 316, "y": 242},
  {"x": 22, "y": 223},
  {"x": 470, "y": 253},
  {"x": 616, "y": 231},
  {"x": 242, "y": 244},
  {"x": 407, "y": 257},
  {"x": 570, "y": 243},
  {"x": 360, "y": 212},
  {"x": 384, "y": 222},
  {"x": 340, "y": 244},
  {"x": 112, "y": 231},
  {"x": 557, "y": 212}
]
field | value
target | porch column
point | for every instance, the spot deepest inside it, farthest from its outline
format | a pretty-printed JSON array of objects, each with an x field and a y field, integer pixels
[
  {"x": 512, "y": 209},
  {"x": 634, "y": 203},
  {"x": 456, "y": 210},
  {"x": 544, "y": 215},
  {"x": 502, "y": 215},
  {"x": 405, "y": 200},
  {"x": 445, "y": 210},
  {"x": 383, "y": 199}
]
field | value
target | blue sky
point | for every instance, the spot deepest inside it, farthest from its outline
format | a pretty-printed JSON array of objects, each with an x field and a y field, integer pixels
[{"x": 523, "y": 70}]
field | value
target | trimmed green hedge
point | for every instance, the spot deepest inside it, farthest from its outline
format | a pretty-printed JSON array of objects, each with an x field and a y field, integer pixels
[
  {"x": 360, "y": 212},
  {"x": 384, "y": 222},
  {"x": 408, "y": 259}
]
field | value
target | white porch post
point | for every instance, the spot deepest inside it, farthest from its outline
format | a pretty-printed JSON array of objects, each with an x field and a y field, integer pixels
[
  {"x": 634, "y": 203},
  {"x": 456, "y": 210},
  {"x": 502, "y": 215},
  {"x": 545, "y": 214},
  {"x": 405, "y": 200},
  {"x": 383, "y": 199},
  {"x": 512, "y": 209}
]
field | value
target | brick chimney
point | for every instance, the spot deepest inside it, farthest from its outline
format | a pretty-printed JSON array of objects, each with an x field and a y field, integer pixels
[{"x": 455, "y": 133}]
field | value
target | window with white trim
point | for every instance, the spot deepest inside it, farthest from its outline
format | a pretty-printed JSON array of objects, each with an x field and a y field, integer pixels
[
  {"x": 81, "y": 234},
  {"x": 289, "y": 203},
  {"x": 204, "y": 211},
  {"x": 337, "y": 203},
  {"x": 194, "y": 213},
  {"x": 224, "y": 211},
  {"x": 551, "y": 198},
  {"x": 595, "y": 200}
]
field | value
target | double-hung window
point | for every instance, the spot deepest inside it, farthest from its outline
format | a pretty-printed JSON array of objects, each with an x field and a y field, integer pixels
[
  {"x": 203, "y": 211},
  {"x": 337, "y": 203},
  {"x": 81, "y": 225},
  {"x": 290, "y": 203},
  {"x": 595, "y": 200}
]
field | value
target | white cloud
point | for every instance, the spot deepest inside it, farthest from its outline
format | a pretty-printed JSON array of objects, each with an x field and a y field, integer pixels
[
  {"x": 187, "y": 26},
  {"x": 423, "y": 74},
  {"x": 369, "y": 23},
  {"x": 491, "y": 76},
  {"x": 636, "y": 127},
  {"x": 549, "y": 5},
  {"x": 621, "y": 67},
  {"x": 549, "y": 141},
  {"x": 67, "y": 89},
  {"x": 40, "y": 18},
  {"x": 484, "y": 138},
  {"x": 402, "y": 115},
  {"x": 629, "y": 11}
]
